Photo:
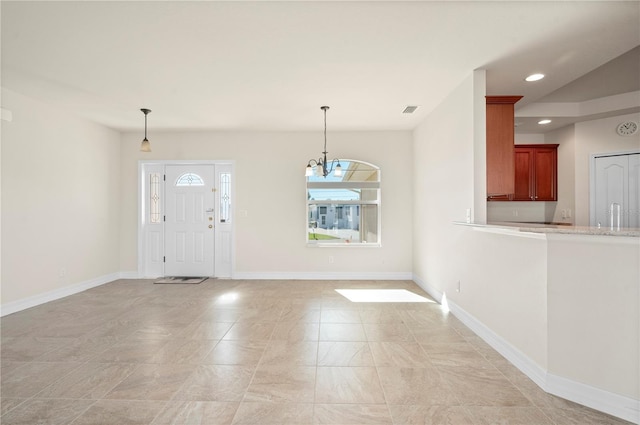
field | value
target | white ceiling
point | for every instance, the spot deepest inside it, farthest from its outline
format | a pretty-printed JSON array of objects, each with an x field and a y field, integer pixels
[{"x": 270, "y": 65}]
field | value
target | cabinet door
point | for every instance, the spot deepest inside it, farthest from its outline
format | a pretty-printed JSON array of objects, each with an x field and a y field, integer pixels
[
  {"x": 523, "y": 158},
  {"x": 500, "y": 135},
  {"x": 546, "y": 170}
]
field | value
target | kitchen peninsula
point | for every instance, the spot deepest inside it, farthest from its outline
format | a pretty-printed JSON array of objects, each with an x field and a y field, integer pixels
[{"x": 560, "y": 302}]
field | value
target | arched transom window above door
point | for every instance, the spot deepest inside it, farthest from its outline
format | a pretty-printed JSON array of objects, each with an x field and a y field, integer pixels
[{"x": 189, "y": 179}]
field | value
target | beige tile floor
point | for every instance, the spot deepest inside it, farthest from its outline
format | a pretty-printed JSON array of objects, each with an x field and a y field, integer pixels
[{"x": 259, "y": 352}]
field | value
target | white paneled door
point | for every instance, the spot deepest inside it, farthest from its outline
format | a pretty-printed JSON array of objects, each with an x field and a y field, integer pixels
[
  {"x": 189, "y": 220},
  {"x": 617, "y": 191}
]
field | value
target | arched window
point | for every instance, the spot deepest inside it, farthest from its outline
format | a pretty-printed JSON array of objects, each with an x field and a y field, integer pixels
[
  {"x": 345, "y": 209},
  {"x": 189, "y": 179}
]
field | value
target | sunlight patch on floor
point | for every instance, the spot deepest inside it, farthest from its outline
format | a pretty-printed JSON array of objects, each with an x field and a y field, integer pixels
[
  {"x": 228, "y": 298},
  {"x": 382, "y": 296}
]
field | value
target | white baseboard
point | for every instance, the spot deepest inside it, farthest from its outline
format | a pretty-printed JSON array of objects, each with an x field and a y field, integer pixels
[
  {"x": 299, "y": 276},
  {"x": 129, "y": 275},
  {"x": 520, "y": 360},
  {"x": 25, "y": 303},
  {"x": 323, "y": 276},
  {"x": 435, "y": 293},
  {"x": 613, "y": 404},
  {"x": 527, "y": 366}
]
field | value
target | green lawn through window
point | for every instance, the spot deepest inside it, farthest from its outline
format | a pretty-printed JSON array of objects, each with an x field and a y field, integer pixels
[{"x": 320, "y": 236}]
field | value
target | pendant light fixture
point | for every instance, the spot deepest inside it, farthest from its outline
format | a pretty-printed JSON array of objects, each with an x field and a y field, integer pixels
[
  {"x": 321, "y": 164},
  {"x": 145, "y": 146}
]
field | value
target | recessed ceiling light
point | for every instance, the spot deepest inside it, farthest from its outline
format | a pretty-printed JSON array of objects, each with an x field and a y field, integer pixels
[
  {"x": 534, "y": 77},
  {"x": 543, "y": 122}
]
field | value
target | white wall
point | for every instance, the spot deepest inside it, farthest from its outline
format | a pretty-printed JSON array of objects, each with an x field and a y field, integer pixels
[
  {"x": 504, "y": 286},
  {"x": 499, "y": 276},
  {"x": 60, "y": 195},
  {"x": 443, "y": 158},
  {"x": 528, "y": 138},
  {"x": 594, "y": 137},
  {"x": 565, "y": 137},
  {"x": 594, "y": 322},
  {"x": 270, "y": 187}
]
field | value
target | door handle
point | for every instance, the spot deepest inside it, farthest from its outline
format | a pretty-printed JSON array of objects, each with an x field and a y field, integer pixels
[{"x": 211, "y": 226}]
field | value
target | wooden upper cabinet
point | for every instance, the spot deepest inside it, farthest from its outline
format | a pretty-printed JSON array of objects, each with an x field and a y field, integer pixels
[
  {"x": 536, "y": 172},
  {"x": 500, "y": 146},
  {"x": 523, "y": 159}
]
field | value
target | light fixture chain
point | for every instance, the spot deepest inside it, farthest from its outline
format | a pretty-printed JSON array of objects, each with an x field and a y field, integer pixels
[
  {"x": 322, "y": 164},
  {"x": 325, "y": 130}
]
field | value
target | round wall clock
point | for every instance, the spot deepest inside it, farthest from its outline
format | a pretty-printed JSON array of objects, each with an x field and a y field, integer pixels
[{"x": 627, "y": 128}]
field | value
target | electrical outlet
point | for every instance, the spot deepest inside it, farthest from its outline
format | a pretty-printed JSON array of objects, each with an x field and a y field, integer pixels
[
  {"x": 515, "y": 213},
  {"x": 62, "y": 272},
  {"x": 331, "y": 259},
  {"x": 468, "y": 215},
  {"x": 458, "y": 287}
]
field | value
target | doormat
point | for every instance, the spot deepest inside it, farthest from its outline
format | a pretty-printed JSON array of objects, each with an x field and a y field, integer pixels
[{"x": 181, "y": 279}]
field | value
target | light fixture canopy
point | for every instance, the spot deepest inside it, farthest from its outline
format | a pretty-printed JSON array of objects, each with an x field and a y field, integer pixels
[
  {"x": 544, "y": 121},
  {"x": 145, "y": 146},
  {"x": 322, "y": 168}
]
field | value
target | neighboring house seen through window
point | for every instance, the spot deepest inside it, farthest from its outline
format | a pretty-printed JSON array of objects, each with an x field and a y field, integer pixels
[{"x": 345, "y": 209}]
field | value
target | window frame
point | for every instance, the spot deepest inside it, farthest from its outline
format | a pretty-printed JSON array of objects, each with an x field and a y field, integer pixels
[{"x": 369, "y": 185}]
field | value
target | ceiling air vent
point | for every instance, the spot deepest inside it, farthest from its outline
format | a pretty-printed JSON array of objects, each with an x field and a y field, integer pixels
[{"x": 409, "y": 109}]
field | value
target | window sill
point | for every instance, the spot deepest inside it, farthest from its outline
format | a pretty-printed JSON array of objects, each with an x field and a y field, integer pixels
[{"x": 343, "y": 245}]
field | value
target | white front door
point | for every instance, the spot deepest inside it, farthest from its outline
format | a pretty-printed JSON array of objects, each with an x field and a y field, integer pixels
[{"x": 189, "y": 220}]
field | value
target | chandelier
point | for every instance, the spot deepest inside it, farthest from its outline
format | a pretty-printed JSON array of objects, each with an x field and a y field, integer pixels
[{"x": 321, "y": 167}]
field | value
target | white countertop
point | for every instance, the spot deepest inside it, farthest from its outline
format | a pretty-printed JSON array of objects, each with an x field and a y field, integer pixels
[{"x": 554, "y": 228}]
